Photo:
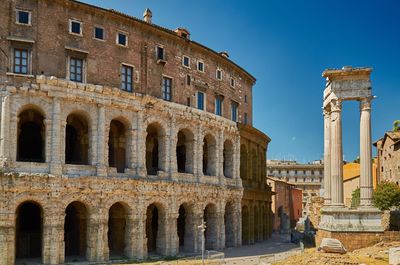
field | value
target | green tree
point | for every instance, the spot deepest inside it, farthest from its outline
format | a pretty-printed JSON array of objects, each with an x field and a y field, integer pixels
[
  {"x": 386, "y": 195},
  {"x": 396, "y": 126},
  {"x": 355, "y": 198}
]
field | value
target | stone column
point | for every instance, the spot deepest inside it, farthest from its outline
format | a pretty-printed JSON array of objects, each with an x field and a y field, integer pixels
[
  {"x": 365, "y": 153},
  {"x": 101, "y": 142},
  {"x": 5, "y": 129},
  {"x": 327, "y": 157},
  {"x": 55, "y": 163},
  {"x": 336, "y": 154}
]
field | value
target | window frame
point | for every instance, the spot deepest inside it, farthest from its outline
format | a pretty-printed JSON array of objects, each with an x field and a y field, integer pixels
[
  {"x": 159, "y": 46},
  {"x": 204, "y": 100},
  {"x": 80, "y": 34},
  {"x": 232, "y": 82},
  {"x": 132, "y": 68},
  {"x": 94, "y": 33},
  {"x": 83, "y": 70},
  {"x": 164, "y": 94},
  {"x": 234, "y": 103},
  {"x": 126, "y": 39},
  {"x": 216, "y": 74},
  {"x": 28, "y": 61},
  {"x": 204, "y": 66},
  {"x": 183, "y": 61},
  {"x": 221, "y": 100},
  {"x": 17, "y": 10}
]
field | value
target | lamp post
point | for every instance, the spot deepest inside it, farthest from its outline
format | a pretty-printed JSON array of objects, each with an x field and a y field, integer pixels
[{"x": 202, "y": 228}]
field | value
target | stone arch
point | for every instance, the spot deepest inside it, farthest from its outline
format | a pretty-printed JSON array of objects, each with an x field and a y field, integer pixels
[
  {"x": 245, "y": 225},
  {"x": 77, "y": 139},
  {"x": 117, "y": 145},
  {"x": 31, "y": 135},
  {"x": 29, "y": 230},
  {"x": 75, "y": 230},
  {"x": 243, "y": 162},
  {"x": 155, "y": 228},
  {"x": 230, "y": 223},
  {"x": 186, "y": 228},
  {"x": 117, "y": 230},
  {"x": 209, "y": 155},
  {"x": 228, "y": 155},
  {"x": 155, "y": 148},
  {"x": 185, "y": 151},
  {"x": 210, "y": 218}
]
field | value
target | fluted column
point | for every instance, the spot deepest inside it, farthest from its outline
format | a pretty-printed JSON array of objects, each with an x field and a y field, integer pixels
[
  {"x": 55, "y": 166},
  {"x": 336, "y": 154},
  {"x": 101, "y": 142},
  {"x": 327, "y": 157},
  {"x": 365, "y": 153}
]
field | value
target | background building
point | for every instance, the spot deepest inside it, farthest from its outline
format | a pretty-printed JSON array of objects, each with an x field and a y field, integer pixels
[
  {"x": 118, "y": 137},
  {"x": 307, "y": 177},
  {"x": 388, "y": 151}
]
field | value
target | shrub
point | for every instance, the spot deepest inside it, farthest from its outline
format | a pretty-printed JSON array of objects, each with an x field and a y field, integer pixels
[
  {"x": 386, "y": 195},
  {"x": 355, "y": 198}
]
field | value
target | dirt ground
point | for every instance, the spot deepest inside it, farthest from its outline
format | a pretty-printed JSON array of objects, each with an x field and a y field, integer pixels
[{"x": 375, "y": 255}]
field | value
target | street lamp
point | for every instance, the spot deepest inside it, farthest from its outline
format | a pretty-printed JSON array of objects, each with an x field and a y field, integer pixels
[{"x": 202, "y": 228}]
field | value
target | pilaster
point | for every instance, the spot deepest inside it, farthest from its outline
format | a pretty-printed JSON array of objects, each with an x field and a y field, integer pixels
[
  {"x": 101, "y": 142},
  {"x": 7, "y": 238},
  {"x": 5, "y": 129},
  {"x": 55, "y": 163},
  {"x": 53, "y": 237},
  {"x": 97, "y": 237}
]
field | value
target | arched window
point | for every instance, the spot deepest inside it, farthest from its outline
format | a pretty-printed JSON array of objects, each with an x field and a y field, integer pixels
[
  {"x": 228, "y": 164},
  {"x": 117, "y": 146},
  {"x": 117, "y": 230},
  {"x": 75, "y": 231},
  {"x": 184, "y": 151},
  {"x": 31, "y": 137},
  {"x": 77, "y": 140},
  {"x": 209, "y": 155},
  {"x": 154, "y": 148}
]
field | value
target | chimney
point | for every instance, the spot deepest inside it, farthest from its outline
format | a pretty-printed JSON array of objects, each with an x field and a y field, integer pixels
[
  {"x": 225, "y": 54},
  {"x": 147, "y": 15},
  {"x": 182, "y": 32}
]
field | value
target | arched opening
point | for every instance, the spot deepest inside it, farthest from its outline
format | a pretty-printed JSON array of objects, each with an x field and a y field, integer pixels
[
  {"x": 154, "y": 148},
  {"x": 210, "y": 218},
  {"x": 181, "y": 226},
  {"x": 245, "y": 225},
  {"x": 184, "y": 151},
  {"x": 29, "y": 227},
  {"x": 243, "y": 162},
  {"x": 209, "y": 155},
  {"x": 253, "y": 164},
  {"x": 76, "y": 140},
  {"x": 116, "y": 230},
  {"x": 229, "y": 220},
  {"x": 256, "y": 224},
  {"x": 228, "y": 159},
  {"x": 152, "y": 221},
  {"x": 75, "y": 231},
  {"x": 117, "y": 146},
  {"x": 31, "y": 137},
  {"x": 185, "y": 225}
]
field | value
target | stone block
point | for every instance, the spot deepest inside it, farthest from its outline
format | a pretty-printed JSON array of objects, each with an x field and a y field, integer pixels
[
  {"x": 332, "y": 245},
  {"x": 394, "y": 256}
]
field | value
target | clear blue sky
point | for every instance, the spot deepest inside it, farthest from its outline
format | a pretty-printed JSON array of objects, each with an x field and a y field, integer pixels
[{"x": 287, "y": 45}]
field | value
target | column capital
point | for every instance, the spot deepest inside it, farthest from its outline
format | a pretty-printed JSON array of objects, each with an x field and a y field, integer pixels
[
  {"x": 336, "y": 105},
  {"x": 365, "y": 104},
  {"x": 326, "y": 112}
]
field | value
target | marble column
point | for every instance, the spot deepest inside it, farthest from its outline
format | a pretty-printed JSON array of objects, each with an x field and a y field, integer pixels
[
  {"x": 327, "y": 157},
  {"x": 365, "y": 153},
  {"x": 101, "y": 142},
  {"x": 336, "y": 154},
  {"x": 55, "y": 166}
]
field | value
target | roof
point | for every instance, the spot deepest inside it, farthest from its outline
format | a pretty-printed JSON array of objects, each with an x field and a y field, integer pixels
[
  {"x": 395, "y": 136},
  {"x": 166, "y": 31}
]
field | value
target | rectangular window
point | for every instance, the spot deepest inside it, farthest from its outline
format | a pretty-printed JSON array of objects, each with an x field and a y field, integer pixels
[
  {"x": 188, "y": 102},
  {"x": 76, "y": 69},
  {"x": 188, "y": 80},
  {"x": 219, "y": 74},
  {"x": 218, "y": 105},
  {"x": 160, "y": 53},
  {"x": 122, "y": 39},
  {"x": 167, "y": 88},
  {"x": 245, "y": 98},
  {"x": 245, "y": 118},
  {"x": 98, "y": 33},
  {"x": 186, "y": 61},
  {"x": 200, "y": 66},
  {"x": 21, "y": 61},
  {"x": 127, "y": 78},
  {"x": 234, "y": 111},
  {"x": 232, "y": 82},
  {"x": 23, "y": 17},
  {"x": 200, "y": 100},
  {"x": 75, "y": 27}
]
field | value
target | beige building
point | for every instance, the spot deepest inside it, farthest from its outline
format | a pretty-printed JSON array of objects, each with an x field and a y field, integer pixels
[
  {"x": 388, "y": 151},
  {"x": 118, "y": 137},
  {"x": 307, "y": 177}
]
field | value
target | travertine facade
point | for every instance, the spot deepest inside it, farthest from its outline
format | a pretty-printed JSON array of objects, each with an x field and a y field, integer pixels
[
  {"x": 112, "y": 143},
  {"x": 388, "y": 150}
]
